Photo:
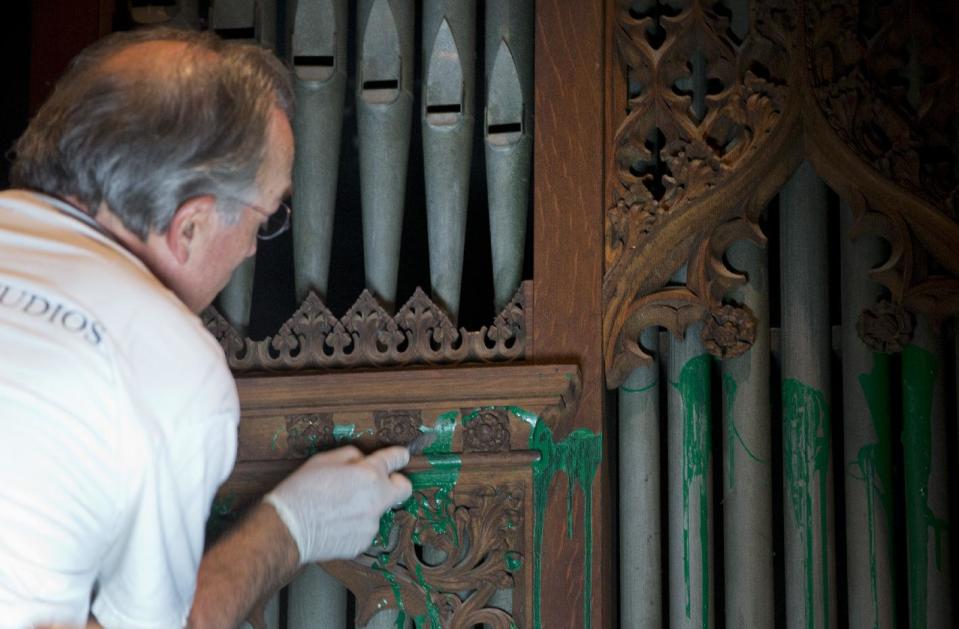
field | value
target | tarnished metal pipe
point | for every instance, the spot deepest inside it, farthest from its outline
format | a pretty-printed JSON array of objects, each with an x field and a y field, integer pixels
[
  {"x": 316, "y": 600},
  {"x": 807, "y": 442},
  {"x": 868, "y": 438},
  {"x": 928, "y": 535},
  {"x": 508, "y": 130},
  {"x": 747, "y": 473},
  {"x": 449, "y": 53},
  {"x": 690, "y": 481},
  {"x": 254, "y": 21},
  {"x": 319, "y": 55},
  {"x": 384, "y": 106},
  {"x": 640, "y": 502}
]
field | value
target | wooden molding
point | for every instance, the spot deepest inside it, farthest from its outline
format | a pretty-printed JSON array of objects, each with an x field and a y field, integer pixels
[{"x": 367, "y": 336}]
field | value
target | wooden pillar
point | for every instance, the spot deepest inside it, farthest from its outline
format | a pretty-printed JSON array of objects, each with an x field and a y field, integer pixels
[{"x": 567, "y": 269}]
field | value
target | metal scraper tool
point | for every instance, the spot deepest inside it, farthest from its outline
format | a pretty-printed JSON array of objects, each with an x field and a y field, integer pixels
[{"x": 421, "y": 442}]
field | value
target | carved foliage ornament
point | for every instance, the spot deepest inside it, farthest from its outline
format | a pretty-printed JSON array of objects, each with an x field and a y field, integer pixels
[
  {"x": 313, "y": 338},
  {"x": 446, "y": 557},
  {"x": 707, "y": 105}
]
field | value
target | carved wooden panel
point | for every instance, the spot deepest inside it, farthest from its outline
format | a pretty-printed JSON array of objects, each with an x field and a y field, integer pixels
[
  {"x": 721, "y": 105},
  {"x": 475, "y": 524},
  {"x": 367, "y": 336},
  {"x": 710, "y": 132}
]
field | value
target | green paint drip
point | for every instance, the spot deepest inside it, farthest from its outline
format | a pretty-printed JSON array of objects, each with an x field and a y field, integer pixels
[
  {"x": 693, "y": 387},
  {"x": 920, "y": 369},
  {"x": 873, "y": 466},
  {"x": 578, "y": 456},
  {"x": 806, "y": 444},
  {"x": 732, "y": 431},
  {"x": 432, "y": 611},
  {"x": 380, "y": 566},
  {"x": 434, "y": 511}
]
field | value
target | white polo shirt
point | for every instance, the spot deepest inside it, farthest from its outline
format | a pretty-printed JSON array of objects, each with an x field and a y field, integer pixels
[{"x": 118, "y": 420}]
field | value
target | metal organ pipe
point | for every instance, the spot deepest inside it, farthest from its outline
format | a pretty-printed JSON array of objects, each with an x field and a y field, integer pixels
[
  {"x": 319, "y": 55},
  {"x": 807, "y": 441}
]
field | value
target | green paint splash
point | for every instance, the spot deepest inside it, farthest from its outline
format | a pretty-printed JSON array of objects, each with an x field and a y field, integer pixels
[
  {"x": 435, "y": 512},
  {"x": 806, "y": 444},
  {"x": 444, "y": 428},
  {"x": 920, "y": 369},
  {"x": 873, "y": 466},
  {"x": 578, "y": 456},
  {"x": 732, "y": 431},
  {"x": 694, "y": 389}
]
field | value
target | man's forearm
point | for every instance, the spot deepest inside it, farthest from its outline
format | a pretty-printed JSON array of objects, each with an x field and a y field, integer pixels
[{"x": 253, "y": 560}]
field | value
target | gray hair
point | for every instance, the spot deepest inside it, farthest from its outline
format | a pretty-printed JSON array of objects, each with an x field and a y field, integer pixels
[{"x": 144, "y": 143}]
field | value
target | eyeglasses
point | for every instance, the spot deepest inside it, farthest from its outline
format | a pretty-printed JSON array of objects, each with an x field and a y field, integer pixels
[{"x": 276, "y": 223}]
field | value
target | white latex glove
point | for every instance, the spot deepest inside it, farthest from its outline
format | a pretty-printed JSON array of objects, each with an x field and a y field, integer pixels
[{"x": 332, "y": 504}]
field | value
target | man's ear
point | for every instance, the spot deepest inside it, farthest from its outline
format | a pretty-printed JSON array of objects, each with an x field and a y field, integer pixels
[{"x": 192, "y": 224}]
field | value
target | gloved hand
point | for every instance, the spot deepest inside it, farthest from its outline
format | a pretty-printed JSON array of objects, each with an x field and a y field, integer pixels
[{"x": 332, "y": 504}]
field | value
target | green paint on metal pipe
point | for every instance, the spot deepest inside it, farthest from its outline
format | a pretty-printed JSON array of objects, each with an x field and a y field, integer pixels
[
  {"x": 694, "y": 389},
  {"x": 873, "y": 466},
  {"x": 920, "y": 369},
  {"x": 732, "y": 434},
  {"x": 806, "y": 444}
]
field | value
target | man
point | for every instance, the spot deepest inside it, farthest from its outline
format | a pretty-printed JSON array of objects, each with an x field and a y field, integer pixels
[{"x": 144, "y": 181}]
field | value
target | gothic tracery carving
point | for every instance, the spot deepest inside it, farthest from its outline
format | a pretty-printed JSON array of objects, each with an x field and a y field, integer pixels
[
  {"x": 708, "y": 98},
  {"x": 722, "y": 108}
]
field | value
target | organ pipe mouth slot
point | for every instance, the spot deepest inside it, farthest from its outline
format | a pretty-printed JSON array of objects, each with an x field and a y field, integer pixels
[
  {"x": 445, "y": 114},
  {"x": 507, "y": 127},
  {"x": 314, "y": 67},
  {"x": 381, "y": 90},
  {"x": 246, "y": 32}
]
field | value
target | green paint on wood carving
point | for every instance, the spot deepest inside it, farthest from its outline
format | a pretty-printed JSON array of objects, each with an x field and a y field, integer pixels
[
  {"x": 434, "y": 511},
  {"x": 380, "y": 566},
  {"x": 578, "y": 456},
  {"x": 732, "y": 431},
  {"x": 919, "y": 371},
  {"x": 693, "y": 387},
  {"x": 806, "y": 445},
  {"x": 873, "y": 467},
  {"x": 444, "y": 427}
]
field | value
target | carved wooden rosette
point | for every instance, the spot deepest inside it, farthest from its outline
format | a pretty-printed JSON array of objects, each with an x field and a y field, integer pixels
[
  {"x": 367, "y": 336},
  {"x": 479, "y": 519},
  {"x": 880, "y": 117},
  {"x": 709, "y": 136},
  {"x": 719, "y": 114}
]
